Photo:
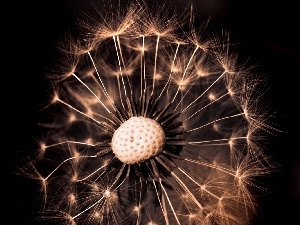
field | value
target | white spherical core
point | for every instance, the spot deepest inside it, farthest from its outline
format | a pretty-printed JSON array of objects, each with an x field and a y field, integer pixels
[{"x": 138, "y": 139}]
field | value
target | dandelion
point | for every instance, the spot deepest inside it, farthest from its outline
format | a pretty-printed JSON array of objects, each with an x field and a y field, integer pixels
[{"x": 153, "y": 122}]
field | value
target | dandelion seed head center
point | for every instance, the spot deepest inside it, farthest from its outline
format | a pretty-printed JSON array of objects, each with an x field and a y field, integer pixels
[{"x": 138, "y": 139}]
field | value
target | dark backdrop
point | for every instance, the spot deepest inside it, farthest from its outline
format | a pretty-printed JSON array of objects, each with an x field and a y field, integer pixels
[{"x": 268, "y": 31}]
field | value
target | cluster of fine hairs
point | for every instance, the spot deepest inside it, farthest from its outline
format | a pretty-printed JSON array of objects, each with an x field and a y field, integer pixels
[{"x": 192, "y": 113}]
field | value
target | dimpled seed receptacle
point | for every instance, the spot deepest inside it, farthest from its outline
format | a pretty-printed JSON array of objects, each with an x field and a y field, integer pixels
[{"x": 138, "y": 139}]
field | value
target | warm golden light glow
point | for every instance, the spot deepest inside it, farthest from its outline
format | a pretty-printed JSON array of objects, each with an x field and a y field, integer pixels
[{"x": 152, "y": 123}]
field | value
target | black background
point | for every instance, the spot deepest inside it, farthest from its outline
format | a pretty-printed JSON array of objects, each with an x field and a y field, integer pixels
[{"x": 268, "y": 30}]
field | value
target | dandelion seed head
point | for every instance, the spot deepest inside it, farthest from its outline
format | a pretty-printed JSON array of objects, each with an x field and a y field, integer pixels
[
  {"x": 154, "y": 120},
  {"x": 137, "y": 140}
]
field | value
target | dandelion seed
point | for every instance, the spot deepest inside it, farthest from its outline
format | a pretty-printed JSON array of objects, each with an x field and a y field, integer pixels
[{"x": 160, "y": 126}]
